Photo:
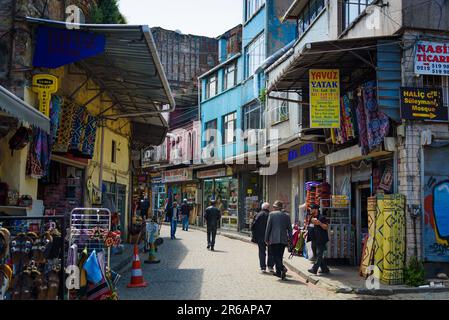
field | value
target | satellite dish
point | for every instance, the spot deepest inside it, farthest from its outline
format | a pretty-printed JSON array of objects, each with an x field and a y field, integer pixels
[{"x": 178, "y": 31}]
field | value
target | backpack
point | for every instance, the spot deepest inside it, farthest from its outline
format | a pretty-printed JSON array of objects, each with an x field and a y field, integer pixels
[{"x": 20, "y": 139}]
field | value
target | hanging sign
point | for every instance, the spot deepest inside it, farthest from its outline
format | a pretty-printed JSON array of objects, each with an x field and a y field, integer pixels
[
  {"x": 423, "y": 104},
  {"x": 45, "y": 85},
  {"x": 324, "y": 98},
  {"x": 178, "y": 175},
  {"x": 432, "y": 58},
  {"x": 56, "y": 47}
]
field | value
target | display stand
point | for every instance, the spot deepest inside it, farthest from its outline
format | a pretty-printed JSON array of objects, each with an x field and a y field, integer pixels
[{"x": 339, "y": 218}]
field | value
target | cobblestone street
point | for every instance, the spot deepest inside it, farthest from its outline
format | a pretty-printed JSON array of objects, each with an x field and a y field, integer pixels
[{"x": 189, "y": 271}]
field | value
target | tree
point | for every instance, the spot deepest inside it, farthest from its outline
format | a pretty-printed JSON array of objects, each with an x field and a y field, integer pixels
[{"x": 107, "y": 12}]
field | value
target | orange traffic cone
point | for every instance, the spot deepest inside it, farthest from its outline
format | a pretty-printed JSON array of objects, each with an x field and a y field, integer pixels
[{"x": 137, "y": 280}]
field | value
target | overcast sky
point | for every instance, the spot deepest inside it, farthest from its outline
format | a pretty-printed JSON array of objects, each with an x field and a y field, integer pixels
[{"x": 199, "y": 17}]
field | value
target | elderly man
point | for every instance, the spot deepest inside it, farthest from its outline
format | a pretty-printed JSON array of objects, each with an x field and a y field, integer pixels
[
  {"x": 212, "y": 217},
  {"x": 279, "y": 230},
  {"x": 258, "y": 228}
]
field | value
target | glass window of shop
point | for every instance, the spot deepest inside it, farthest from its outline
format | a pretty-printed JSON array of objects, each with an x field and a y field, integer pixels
[
  {"x": 225, "y": 192},
  {"x": 159, "y": 197}
]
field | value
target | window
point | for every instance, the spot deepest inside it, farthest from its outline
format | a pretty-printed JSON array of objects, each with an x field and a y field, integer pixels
[
  {"x": 310, "y": 12},
  {"x": 253, "y": 118},
  {"x": 352, "y": 9},
  {"x": 229, "y": 127},
  {"x": 230, "y": 76},
  {"x": 211, "y": 128},
  {"x": 252, "y": 6},
  {"x": 211, "y": 86},
  {"x": 438, "y": 82},
  {"x": 279, "y": 109},
  {"x": 254, "y": 55},
  {"x": 114, "y": 152}
]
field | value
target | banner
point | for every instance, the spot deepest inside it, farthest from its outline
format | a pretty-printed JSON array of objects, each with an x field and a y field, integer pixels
[
  {"x": 324, "y": 98},
  {"x": 57, "y": 47},
  {"x": 432, "y": 58}
]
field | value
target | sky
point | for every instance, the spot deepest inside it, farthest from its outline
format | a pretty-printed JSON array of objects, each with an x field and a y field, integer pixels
[{"x": 198, "y": 17}]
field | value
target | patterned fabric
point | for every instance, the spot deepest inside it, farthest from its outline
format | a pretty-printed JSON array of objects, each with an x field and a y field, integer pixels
[
  {"x": 79, "y": 118},
  {"x": 38, "y": 162},
  {"x": 368, "y": 253},
  {"x": 378, "y": 240},
  {"x": 394, "y": 240},
  {"x": 55, "y": 117},
  {"x": 89, "y": 137},
  {"x": 65, "y": 129},
  {"x": 378, "y": 123},
  {"x": 362, "y": 127}
]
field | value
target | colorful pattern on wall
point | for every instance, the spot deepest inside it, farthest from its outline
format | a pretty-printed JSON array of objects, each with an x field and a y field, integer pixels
[
  {"x": 436, "y": 219},
  {"x": 65, "y": 129},
  {"x": 368, "y": 251}
]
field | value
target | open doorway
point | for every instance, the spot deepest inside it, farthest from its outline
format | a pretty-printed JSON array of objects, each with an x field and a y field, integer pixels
[{"x": 362, "y": 191}]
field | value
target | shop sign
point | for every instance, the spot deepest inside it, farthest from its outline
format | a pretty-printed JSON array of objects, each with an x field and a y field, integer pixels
[
  {"x": 178, "y": 175},
  {"x": 56, "y": 47},
  {"x": 302, "y": 156},
  {"x": 423, "y": 104},
  {"x": 215, "y": 173},
  {"x": 44, "y": 85},
  {"x": 432, "y": 58},
  {"x": 324, "y": 98}
]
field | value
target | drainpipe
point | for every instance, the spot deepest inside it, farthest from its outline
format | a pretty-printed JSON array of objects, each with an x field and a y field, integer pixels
[{"x": 100, "y": 175}]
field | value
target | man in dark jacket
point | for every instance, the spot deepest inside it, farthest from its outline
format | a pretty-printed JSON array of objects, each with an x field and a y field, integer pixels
[
  {"x": 258, "y": 228},
  {"x": 279, "y": 230},
  {"x": 212, "y": 217},
  {"x": 321, "y": 238}
]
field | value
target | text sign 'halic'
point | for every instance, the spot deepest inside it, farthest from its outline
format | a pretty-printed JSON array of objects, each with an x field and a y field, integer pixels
[
  {"x": 325, "y": 98},
  {"x": 423, "y": 104},
  {"x": 432, "y": 58}
]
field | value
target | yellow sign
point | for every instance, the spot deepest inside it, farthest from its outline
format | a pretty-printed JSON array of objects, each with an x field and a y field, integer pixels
[
  {"x": 45, "y": 85},
  {"x": 324, "y": 98}
]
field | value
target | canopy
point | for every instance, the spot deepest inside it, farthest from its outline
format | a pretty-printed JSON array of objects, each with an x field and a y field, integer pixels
[
  {"x": 131, "y": 73},
  {"x": 19, "y": 109}
]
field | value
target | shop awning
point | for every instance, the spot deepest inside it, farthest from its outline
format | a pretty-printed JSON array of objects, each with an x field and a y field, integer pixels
[
  {"x": 131, "y": 73},
  {"x": 346, "y": 55},
  {"x": 19, "y": 109}
]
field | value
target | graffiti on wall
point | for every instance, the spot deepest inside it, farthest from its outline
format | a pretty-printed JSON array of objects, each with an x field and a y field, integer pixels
[{"x": 436, "y": 219}]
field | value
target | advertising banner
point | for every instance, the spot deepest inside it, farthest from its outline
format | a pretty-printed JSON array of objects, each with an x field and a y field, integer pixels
[
  {"x": 432, "y": 58},
  {"x": 324, "y": 98},
  {"x": 179, "y": 175}
]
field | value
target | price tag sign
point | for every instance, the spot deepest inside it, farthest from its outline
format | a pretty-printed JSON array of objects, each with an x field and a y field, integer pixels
[{"x": 45, "y": 85}]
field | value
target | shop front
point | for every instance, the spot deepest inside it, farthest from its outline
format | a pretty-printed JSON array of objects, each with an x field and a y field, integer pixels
[
  {"x": 220, "y": 185},
  {"x": 158, "y": 194}
]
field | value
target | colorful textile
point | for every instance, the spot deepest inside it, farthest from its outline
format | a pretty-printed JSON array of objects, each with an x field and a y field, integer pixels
[
  {"x": 38, "y": 161},
  {"x": 368, "y": 253},
  {"x": 65, "y": 129},
  {"x": 378, "y": 239},
  {"x": 92, "y": 268},
  {"x": 378, "y": 123},
  {"x": 394, "y": 240},
  {"x": 89, "y": 137},
  {"x": 361, "y": 124},
  {"x": 79, "y": 119},
  {"x": 55, "y": 117}
]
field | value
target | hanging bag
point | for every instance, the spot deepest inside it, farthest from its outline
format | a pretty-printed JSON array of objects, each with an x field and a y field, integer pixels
[{"x": 20, "y": 139}]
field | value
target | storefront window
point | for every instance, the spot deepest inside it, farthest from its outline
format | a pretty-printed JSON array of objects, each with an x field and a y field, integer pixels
[{"x": 225, "y": 192}]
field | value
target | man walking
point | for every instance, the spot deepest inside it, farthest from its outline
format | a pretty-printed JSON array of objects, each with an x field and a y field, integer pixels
[
  {"x": 174, "y": 220},
  {"x": 258, "y": 228},
  {"x": 212, "y": 217},
  {"x": 279, "y": 230},
  {"x": 185, "y": 213},
  {"x": 321, "y": 238}
]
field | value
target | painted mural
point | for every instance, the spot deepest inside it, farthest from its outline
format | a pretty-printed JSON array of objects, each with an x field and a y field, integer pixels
[{"x": 436, "y": 219}]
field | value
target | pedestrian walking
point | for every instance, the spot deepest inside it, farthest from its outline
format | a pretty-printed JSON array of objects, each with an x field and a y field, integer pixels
[
  {"x": 321, "y": 238},
  {"x": 258, "y": 228},
  {"x": 314, "y": 212},
  {"x": 174, "y": 220},
  {"x": 212, "y": 217},
  {"x": 185, "y": 213},
  {"x": 279, "y": 231}
]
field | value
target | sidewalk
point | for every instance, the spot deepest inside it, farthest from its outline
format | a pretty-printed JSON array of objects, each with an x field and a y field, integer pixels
[{"x": 341, "y": 280}]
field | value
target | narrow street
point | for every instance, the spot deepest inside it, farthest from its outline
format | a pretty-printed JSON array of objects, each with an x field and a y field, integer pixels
[{"x": 189, "y": 271}]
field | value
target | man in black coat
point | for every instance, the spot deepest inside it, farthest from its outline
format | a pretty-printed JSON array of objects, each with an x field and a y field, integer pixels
[
  {"x": 321, "y": 238},
  {"x": 212, "y": 217},
  {"x": 258, "y": 228}
]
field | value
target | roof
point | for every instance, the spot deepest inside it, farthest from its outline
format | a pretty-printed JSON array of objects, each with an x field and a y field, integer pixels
[
  {"x": 294, "y": 10},
  {"x": 19, "y": 109},
  {"x": 218, "y": 67},
  {"x": 131, "y": 73},
  {"x": 346, "y": 55}
]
